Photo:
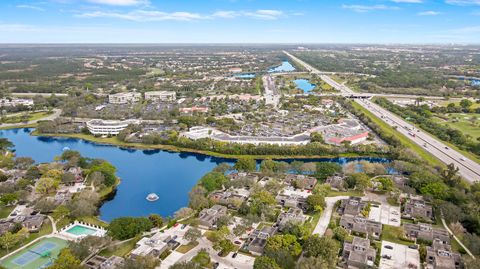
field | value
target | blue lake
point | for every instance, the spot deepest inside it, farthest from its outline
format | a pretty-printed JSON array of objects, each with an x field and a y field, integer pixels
[
  {"x": 304, "y": 85},
  {"x": 245, "y": 75},
  {"x": 169, "y": 174},
  {"x": 286, "y": 66}
]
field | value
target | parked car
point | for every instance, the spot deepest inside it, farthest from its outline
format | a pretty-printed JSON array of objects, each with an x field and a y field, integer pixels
[
  {"x": 388, "y": 247},
  {"x": 234, "y": 255}
]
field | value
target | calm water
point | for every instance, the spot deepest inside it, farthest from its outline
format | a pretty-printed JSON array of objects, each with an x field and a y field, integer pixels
[
  {"x": 170, "y": 175},
  {"x": 245, "y": 75},
  {"x": 286, "y": 66},
  {"x": 304, "y": 85}
]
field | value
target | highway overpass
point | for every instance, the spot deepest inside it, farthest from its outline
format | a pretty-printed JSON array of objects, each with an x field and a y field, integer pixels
[{"x": 468, "y": 169}]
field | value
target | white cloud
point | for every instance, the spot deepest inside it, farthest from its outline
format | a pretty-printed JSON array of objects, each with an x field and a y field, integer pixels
[
  {"x": 144, "y": 15},
  {"x": 154, "y": 15},
  {"x": 31, "y": 7},
  {"x": 363, "y": 8},
  {"x": 463, "y": 2},
  {"x": 119, "y": 2},
  {"x": 429, "y": 13},
  {"x": 408, "y": 1}
]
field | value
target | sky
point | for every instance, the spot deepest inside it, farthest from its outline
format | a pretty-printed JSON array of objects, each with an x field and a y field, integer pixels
[{"x": 240, "y": 21}]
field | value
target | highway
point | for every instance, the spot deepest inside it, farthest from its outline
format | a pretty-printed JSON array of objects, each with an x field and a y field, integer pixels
[{"x": 468, "y": 169}]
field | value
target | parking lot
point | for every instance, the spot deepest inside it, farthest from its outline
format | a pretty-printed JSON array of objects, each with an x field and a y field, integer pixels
[
  {"x": 396, "y": 256},
  {"x": 386, "y": 214}
]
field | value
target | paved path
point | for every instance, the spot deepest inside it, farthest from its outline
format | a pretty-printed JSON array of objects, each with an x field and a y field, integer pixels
[
  {"x": 324, "y": 220},
  {"x": 456, "y": 239},
  {"x": 56, "y": 113}
]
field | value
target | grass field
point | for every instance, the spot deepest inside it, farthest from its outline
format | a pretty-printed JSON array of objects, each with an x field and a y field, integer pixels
[
  {"x": 462, "y": 122},
  {"x": 387, "y": 129},
  {"x": 121, "y": 249},
  {"x": 19, "y": 118},
  {"x": 38, "y": 255}
]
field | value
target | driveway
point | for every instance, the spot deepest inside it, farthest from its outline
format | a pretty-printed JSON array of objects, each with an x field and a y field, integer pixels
[
  {"x": 324, "y": 220},
  {"x": 400, "y": 256}
]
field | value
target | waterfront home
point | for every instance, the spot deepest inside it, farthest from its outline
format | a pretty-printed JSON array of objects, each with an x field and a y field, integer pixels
[
  {"x": 124, "y": 98},
  {"x": 208, "y": 217},
  {"x": 77, "y": 173},
  {"x": 152, "y": 246},
  {"x": 293, "y": 215},
  {"x": 336, "y": 182},
  {"x": 358, "y": 253},
  {"x": 108, "y": 127},
  {"x": 361, "y": 225},
  {"x": 352, "y": 206},
  {"x": 426, "y": 232},
  {"x": 441, "y": 256},
  {"x": 300, "y": 181},
  {"x": 258, "y": 239},
  {"x": 158, "y": 96},
  {"x": 231, "y": 198},
  {"x": 417, "y": 209},
  {"x": 292, "y": 201}
]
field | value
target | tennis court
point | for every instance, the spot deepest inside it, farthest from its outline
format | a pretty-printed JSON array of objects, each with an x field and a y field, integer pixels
[{"x": 39, "y": 255}]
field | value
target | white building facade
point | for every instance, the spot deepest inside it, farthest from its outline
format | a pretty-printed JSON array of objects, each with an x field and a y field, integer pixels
[
  {"x": 108, "y": 127},
  {"x": 124, "y": 98},
  {"x": 157, "y": 96}
]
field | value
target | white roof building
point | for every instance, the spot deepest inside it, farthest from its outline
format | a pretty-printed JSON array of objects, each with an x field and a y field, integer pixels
[{"x": 124, "y": 97}]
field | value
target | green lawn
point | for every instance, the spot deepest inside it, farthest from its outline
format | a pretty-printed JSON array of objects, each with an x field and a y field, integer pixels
[
  {"x": 462, "y": 123},
  {"x": 120, "y": 250},
  {"x": 186, "y": 248},
  {"x": 387, "y": 129},
  {"x": 345, "y": 193},
  {"x": 5, "y": 211},
  {"x": 24, "y": 117},
  {"x": 394, "y": 234}
]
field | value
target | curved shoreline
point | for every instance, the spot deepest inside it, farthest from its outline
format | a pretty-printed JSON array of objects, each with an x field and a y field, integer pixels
[{"x": 112, "y": 141}]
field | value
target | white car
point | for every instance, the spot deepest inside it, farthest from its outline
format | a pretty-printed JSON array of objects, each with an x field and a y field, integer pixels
[{"x": 462, "y": 159}]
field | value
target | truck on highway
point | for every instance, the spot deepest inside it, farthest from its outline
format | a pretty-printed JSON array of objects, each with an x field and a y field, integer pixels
[{"x": 412, "y": 134}]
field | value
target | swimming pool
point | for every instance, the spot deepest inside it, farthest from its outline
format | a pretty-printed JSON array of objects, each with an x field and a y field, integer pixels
[{"x": 81, "y": 230}]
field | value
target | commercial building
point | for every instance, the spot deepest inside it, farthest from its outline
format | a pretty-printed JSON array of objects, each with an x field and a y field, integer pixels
[
  {"x": 124, "y": 98},
  {"x": 158, "y": 96},
  {"x": 108, "y": 127},
  {"x": 7, "y": 102}
]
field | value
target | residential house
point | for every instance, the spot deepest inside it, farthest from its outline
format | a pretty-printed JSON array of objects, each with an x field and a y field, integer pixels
[
  {"x": 336, "y": 182},
  {"x": 258, "y": 239},
  {"x": 152, "y": 246},
  {"x": 440, "y": 256},
  {"x": 292, "y": 201},
  {"x": 361, "y": 225},
  {"x": 417, "y": 209},
  {"x": 232, "y": 198},
  {"x": 208, "y": 217},
  {"x": 300, "y": 181},
  {"x": 293, "y": 215},
  {"x": 359, "y": 253},
  {"x": 426, "y": 232},
  {"x": 352, "y": 206}
]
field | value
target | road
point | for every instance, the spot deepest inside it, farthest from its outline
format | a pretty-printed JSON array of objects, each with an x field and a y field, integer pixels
[
  {"x": 324, "y": 220},
  {"x": 271, "y": 95},
  {"x": 468, "y": 169},
  {"x": 56, "y": 113}
]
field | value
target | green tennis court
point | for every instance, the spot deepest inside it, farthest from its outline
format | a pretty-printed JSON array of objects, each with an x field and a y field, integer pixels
[{"x": 39, "y": 255}]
